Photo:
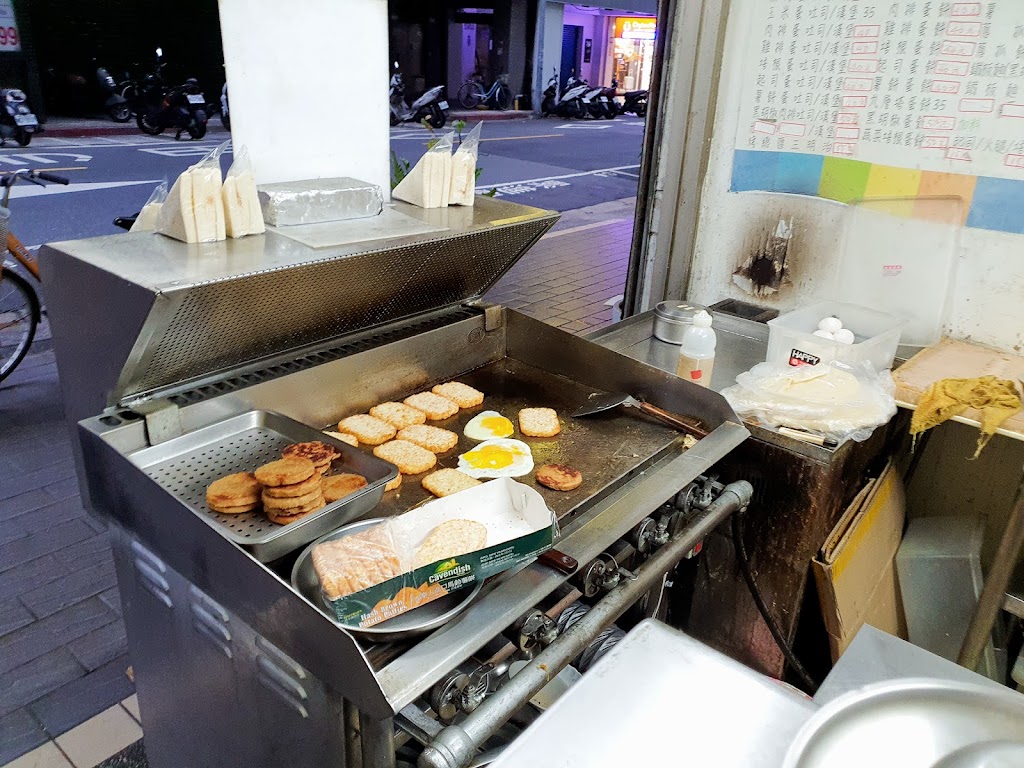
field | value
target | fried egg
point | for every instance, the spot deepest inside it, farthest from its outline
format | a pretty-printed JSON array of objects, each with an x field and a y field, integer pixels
[
  {"x": 488, "y": 425},
  {"x": 497, "y": 458}
]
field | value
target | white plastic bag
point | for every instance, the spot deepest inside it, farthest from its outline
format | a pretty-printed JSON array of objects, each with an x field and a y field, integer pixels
[
  {"x": 428, "y": 184},
  {"x": 832, "y": 400},
  {"x": 463, "y": 190},
  {"x": 194, "y": 209},
  {"x": 242, "y": 212},
  {"x": 146, "y": 220}
]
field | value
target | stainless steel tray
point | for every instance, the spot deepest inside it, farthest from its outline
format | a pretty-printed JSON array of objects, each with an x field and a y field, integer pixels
[
  {"x": 186, "y": 465},
  {"x": 415, "y": 622}
]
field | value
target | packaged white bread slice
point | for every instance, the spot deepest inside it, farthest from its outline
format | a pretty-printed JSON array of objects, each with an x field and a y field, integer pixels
[
  {"x": 194, "y": 210},
  {"x": 427, "y": 184},
  {"x": 242, "y": 212},
  {"x": 145, "y": 221},
  {"x": 176, "y": 218},
  {"x": 463, "y": 186}
]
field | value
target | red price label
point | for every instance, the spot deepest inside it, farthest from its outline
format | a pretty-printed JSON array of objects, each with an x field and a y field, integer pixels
[{"x": 9, "y": 37}]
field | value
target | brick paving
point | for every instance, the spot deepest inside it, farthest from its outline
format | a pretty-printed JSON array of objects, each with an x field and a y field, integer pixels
[{"x": 63, "y": 651}]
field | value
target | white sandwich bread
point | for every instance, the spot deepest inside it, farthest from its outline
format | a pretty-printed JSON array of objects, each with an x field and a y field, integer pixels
[
  {"x": 242, "y": 212},
  {"x": 194, "y": 209},
  {"x": 428, "y": 184},
  {"x": 463, "y": 189},
  {"x": 146, "y": 220}
]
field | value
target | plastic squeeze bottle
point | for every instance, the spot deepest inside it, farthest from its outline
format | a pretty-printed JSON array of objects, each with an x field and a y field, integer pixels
[{"x": 697, "y": 352}]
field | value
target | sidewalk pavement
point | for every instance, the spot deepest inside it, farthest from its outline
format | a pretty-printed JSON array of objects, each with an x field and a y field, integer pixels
[{"x": 66, "y": 699}]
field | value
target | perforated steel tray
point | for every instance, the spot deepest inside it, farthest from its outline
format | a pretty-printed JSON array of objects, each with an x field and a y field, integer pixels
[{"x": 186, "y": 465}]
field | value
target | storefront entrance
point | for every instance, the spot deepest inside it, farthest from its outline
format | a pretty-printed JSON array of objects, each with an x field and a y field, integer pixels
[{"x": 633, "y": 51}]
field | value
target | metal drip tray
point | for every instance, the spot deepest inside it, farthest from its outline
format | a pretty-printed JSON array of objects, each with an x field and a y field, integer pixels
[{"x": 187, "y": 465}]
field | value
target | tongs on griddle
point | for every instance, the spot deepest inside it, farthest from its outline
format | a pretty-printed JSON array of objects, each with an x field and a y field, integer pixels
[{"x": 599, "y": 403}]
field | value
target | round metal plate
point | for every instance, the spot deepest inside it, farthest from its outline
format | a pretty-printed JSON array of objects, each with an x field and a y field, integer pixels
[
  {"x": 910, "y": 723},
  {"x": 415, "y": 622}
]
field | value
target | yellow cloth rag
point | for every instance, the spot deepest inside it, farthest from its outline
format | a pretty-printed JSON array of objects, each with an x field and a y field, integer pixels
[{"x": 997, "y": 399}]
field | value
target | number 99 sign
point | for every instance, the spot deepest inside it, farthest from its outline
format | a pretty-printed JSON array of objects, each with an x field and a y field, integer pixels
[{"x": 9, "y": 38}]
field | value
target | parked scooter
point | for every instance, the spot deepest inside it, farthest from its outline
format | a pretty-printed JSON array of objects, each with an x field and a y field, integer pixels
[
  {"x": 431, "y": 106},
  {"x": 225, "y": 114},
  {"x": 16, "y": 119},
  {"x": 635, "y": 102},
  {"x": 569, "y": 103},
  {"x": 182, "y": 108},
  {"x": 115, "y": 104}
]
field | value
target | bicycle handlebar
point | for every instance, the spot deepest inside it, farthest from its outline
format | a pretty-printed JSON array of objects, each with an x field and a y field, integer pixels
[{"x": 51, "y": 177}]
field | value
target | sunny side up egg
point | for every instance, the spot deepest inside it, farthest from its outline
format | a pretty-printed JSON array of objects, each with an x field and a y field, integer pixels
[
  {"x": 488, "y": 425},
  {"x": 497, "y": 458}
]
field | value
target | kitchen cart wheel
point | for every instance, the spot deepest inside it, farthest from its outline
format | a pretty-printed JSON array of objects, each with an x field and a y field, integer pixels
[
  {"x": 19, "y": 316},
  {"x": 23, "y": 137},
  {"x": 469, "y": 95}
]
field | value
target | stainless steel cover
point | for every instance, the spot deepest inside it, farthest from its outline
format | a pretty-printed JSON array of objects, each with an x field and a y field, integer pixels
[
  {"x": 186, "y": 465},
  {"x": 410, "y": 624},
  {"x": 139, "y": 314}
]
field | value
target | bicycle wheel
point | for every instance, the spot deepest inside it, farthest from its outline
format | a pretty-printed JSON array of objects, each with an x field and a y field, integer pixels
[
  {"x": 19, "y": 316},
  {"x": 503, "y": 97},
  {"x": 469, "y": 95}
]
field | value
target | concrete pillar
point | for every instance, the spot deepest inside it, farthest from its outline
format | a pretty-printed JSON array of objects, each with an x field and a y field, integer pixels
[
  {"x": 308, "y": 87},
  {"x": 548, "y": 46}
]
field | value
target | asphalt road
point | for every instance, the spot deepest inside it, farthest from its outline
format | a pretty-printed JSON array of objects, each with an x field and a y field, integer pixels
[{"x": 549, "y": 163}]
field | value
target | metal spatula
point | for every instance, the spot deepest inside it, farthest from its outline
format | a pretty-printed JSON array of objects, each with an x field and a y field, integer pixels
[{"x": 600, "y": 403}]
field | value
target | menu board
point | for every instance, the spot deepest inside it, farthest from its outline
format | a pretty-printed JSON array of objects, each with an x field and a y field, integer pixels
[{"x": 923, "y": 85}]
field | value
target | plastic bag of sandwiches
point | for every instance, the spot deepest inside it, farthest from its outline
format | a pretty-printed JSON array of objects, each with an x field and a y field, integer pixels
[
  {"x": 242, "y": 212},
  {"x": 463, "y": 191},
  {"x": 428, "y": 184},
  {"x": 146, "y": 220},
  {"x": 380, "y": 572},
  {"x": 194, "y": 209}
]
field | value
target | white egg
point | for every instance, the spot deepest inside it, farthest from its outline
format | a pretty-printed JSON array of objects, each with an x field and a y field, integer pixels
[
  {"x": 830, "y": 324},
  {"x": 488, "y": 425},
  {"x": 825, "y": 335},
  {"x": 497, "y": 458},
  {"x": 845, "y": 336}
]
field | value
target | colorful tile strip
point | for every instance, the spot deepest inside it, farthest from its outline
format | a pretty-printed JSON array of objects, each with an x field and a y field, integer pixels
[{"x": 989, "y": 202}]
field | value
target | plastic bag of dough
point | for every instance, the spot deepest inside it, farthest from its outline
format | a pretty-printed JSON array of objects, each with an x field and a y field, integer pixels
[
  {"x": 463, "y": 190},
  {"x": 243, "y": 214},
  {"x": 428, "y": 184},
  {"x": 194, "y": 209},
  {"x": 834, "y": 400},
  {"x": 145, "y": 221}
]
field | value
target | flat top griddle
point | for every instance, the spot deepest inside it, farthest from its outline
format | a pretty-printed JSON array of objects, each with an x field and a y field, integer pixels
[{"x": 604, "y": 447}]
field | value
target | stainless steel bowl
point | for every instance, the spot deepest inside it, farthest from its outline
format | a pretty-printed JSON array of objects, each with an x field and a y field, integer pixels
[
  {"x": 409, "y": 624},
  {"x": 926, "y": 723},
  {"x": 672, "y": 318}
]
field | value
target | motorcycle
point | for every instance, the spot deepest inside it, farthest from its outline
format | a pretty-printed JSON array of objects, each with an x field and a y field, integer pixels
[
  {"x": 567, "y": 104},
  {"x": 609, "y": 105},
  {"x": 16, "y": 119},
  {"x": 182, "y": 108},
  {"x": 225, "y": 115},
  {"x": 635, "y": 102},
  {"x": 114, "y": 102},
  {"x": 431, "y": 106}
]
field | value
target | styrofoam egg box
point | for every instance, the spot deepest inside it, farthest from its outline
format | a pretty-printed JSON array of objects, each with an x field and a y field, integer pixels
[{"x": 791, "y": 336}]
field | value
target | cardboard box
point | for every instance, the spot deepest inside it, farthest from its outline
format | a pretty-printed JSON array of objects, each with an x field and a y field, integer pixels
[
  {"x": 519, "y": 527},
  {"x": 855, "y": 570}
]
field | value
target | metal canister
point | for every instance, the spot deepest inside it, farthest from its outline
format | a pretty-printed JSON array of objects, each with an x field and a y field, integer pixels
[{"x": 672, "y": 318}]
